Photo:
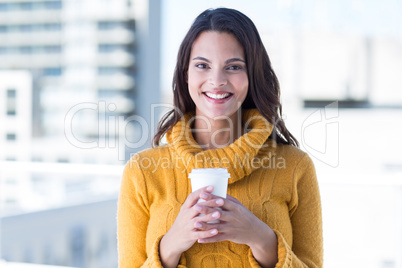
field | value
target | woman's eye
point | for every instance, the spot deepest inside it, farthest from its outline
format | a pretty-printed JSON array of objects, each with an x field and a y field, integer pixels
[
  {"x": 235, "y": 67},
  {"x": 201, "y": 65}
]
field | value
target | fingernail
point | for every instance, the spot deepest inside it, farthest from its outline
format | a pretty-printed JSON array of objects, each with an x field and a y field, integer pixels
[
  {"x": 214, "y": 231},
  {"x": 204, "y": 195},
  {"x": 198, "y": 225},
  {"x": 197, "y": 208},
  {"x": 215, "y": 214},
  {"x": 210, "y": 188},
  {"x": 219, "y": 202},
  {"x": 201, "y": 240}
]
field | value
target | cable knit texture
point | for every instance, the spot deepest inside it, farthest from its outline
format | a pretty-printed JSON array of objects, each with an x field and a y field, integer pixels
[{"x": 276, "y": 182}]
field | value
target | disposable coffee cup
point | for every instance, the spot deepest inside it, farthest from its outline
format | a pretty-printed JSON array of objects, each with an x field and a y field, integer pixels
[{"x": 216, "y": 177}]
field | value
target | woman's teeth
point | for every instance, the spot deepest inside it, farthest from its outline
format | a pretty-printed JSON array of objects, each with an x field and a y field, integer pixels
[{"x": 217, "y": 96}]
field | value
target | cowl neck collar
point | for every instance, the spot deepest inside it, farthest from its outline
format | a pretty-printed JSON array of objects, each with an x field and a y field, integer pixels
[{"x": 249, "y": 152}]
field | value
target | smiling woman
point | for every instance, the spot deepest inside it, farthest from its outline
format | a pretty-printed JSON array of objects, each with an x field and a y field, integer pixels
[
  {"x": 217, "y": 79},
  {"x": 227, "y": 115}
]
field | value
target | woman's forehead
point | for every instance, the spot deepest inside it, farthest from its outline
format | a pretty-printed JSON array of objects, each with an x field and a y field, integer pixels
[{"x": 216, "y": 44}]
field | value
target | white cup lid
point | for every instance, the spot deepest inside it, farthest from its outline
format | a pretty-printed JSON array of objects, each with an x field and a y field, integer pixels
[{"x": 221, "y": 172}]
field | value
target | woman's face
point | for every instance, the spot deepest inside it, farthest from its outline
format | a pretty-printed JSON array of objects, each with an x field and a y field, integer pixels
[{"x": 217, "y": 75}]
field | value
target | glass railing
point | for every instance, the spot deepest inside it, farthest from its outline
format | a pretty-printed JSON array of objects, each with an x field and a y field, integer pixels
[{"x": 58, "y": 214}]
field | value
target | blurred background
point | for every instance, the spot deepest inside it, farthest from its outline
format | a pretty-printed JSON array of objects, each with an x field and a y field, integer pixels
[{"x": 83, "y": 84}]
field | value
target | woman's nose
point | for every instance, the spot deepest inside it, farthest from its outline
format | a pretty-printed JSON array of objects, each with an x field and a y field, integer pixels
[{"x": 217, "y": 79}]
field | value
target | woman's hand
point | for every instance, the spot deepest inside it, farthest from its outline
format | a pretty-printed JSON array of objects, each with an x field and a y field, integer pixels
[
  {"x": 185, "y": 230},
  {"x": 240, "y": 225}
]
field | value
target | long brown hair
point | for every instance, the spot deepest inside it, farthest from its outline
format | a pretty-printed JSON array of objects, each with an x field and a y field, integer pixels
[{"x": 263, "y": 92}]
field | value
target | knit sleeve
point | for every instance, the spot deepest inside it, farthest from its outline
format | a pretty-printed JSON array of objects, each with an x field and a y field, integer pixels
[
  {"x": 306, "y": 220},
  {"x": 132, "y": 222}
]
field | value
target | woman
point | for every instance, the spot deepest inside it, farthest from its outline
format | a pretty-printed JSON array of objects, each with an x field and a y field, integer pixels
[{"x": 227, "y": 115}]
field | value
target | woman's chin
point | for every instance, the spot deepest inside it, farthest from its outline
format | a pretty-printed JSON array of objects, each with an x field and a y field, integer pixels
[{"x": 219, "y": 114}]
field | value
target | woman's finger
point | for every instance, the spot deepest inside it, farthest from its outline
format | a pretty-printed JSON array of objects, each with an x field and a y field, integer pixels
[
  {"x": 213, "y": 203},
  {"x": 193, "y": 198},
  {"x": 199, "y": 208},
  {"x": 212, "y": 239},
  {"x": 205, "y": 234},
  {"x": 231, "y": 198},
  {"x": 215, "y": 215},
  {"x": 231, "y": 204},
  {"x": 204, "y": 226}
]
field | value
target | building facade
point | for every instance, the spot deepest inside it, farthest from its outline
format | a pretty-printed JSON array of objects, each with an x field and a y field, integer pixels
[
  {"x": 77, "y": 79},
  {"x": 84, "y": 58}
]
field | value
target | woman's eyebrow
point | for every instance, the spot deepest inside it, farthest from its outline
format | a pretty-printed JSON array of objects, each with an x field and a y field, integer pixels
[
  {"x": 226, "y": 62},
  {"x": 202, "y": 58},
  {"x": 233, "y": 60}
]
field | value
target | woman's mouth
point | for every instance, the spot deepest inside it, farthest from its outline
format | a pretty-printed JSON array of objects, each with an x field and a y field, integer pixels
[{"x": 217, "y": 96}]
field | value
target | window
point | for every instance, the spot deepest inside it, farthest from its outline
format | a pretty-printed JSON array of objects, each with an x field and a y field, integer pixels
[
  {"x": 52, "y": 49},
  {"x": 11, "y": 93},
  {"x": 110, "y": 25},
  {"x": 110, "y": 93},
  {"x": 40, "y": 27},
  {"x": 52, "y": 27},
  {"x": 37, "y": 5},
  {"x": 4, "y": 7},
  {"x": 107, "y": 48},
  {"x": 53, "y": 5},
  {"x": 36, "y": 158},
  {"x": 109, "y": 70},
  {"x": 63, "y": 160},
  {"x": 11, "y": 181},
  {"x": 26, "y": 50},
  {"x": 12, "y": 50},
  {"x": 31, "y": 50},
  {"x": 10, "y": 201},
  {"x": 77, "y": 245},
  {"x": 11, "y": 112},
  {"x": 26, "y": 6},
  {"x": 11, "y": 102},
  {"x": 52, "y": 71},
  {"x": 26, "y": 28},
  {"x": 11, "y": 136},
  {"x": 10, "y": 28},
  {"x": 37, "y": 50}
]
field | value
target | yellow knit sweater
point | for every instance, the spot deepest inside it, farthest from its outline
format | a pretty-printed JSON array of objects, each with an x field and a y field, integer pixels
[{"x": 275, "y": 182}]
